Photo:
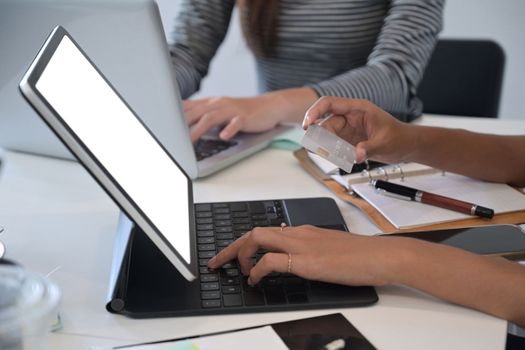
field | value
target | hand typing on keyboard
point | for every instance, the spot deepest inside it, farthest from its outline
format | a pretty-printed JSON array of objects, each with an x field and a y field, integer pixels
[{"x": 310, "y": 252}]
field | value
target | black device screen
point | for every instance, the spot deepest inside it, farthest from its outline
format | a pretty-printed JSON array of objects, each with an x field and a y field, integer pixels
[{"x": 488, "y": 240}]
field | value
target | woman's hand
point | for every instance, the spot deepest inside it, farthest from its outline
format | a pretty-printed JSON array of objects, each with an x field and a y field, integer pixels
[
  {"x": 316, "y": 254},
  {"x": 375, "y": 133},
  {"x": 237, "y": 114},
  {"x": 248, "y": 114}
]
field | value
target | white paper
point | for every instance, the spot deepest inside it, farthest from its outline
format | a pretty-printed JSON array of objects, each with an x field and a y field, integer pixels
[
  {"x": 403, "y": 214},
  {"x": 261, "y": 338}
]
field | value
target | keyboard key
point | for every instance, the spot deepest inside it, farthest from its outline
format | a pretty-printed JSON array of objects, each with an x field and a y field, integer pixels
[
  {"x": 232, "y": 300},
  {"x": 225, "y": 229},
  {"x": 205, "y": 270},
  {"x": 230, "y": 265},
  {"x": 231, "y": 272},
  {"x": 205, "y": 233},
  {"x": 203, "y": 262},
  {"x": 221, "y": 211},
  {"x": 221, "y": 223},
  {"x": 204, "y": 214},
  {"x": 205, "y": 247},
  {"x": 209, "y": 278},
  {"x": 271, "y": 281},
  {"x": 220, "y": 205},
  {"x": 241, "y": 221},
  {"x": 259, "y": 217},
  {"x": 239, "y": 206},
  {"x": 210, "y": 295},
  {"x": 205, "y": 240},
  {"x": 240, "y": 214},
  {"x": 201, "y": 221},
  {"x": 224, "y": 236},
  {"x": 205, "y": 227},
  {"x": 231, "y": 289},
  {"x": 202, "y": 207},
  {"x": 257, "y": 208},
  {"x": 242, "y": 227},
  {"x": 222, "y": 217},
  {"x": 260, "y": 223},
  {"x": 209, "y": 286},
  {"x": 206, "y": 254},
  {"x": 224, "y": 243},
  {"x": 211, "y": 303},
  {"x": 230, "y": 281}
]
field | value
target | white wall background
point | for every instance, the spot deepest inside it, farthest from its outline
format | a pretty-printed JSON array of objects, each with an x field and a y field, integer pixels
[{"x": 232, "y": 71}]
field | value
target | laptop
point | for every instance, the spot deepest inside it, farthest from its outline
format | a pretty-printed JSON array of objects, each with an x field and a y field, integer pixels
[
  {"x": 91, "y": 118},
  {"x": 126, "y": 40}
]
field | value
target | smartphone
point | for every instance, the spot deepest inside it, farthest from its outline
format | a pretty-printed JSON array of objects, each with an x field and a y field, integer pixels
[{"x": 507, "y": 241}]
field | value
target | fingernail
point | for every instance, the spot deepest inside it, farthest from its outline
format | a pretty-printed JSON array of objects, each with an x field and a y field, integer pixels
[
  {"x": 304, "y": 123},
  {"x": 211, "y": 262},
  {"x": 250, "y": 283}
]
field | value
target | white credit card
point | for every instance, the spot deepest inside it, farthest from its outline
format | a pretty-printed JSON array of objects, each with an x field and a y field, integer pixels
[{"x": 329, "y": 146}]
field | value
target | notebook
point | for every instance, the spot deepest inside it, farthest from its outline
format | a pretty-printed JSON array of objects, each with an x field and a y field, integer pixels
[
  {"x": 125, "y": 38},
  {"x": 345, "y": 188},
  {"x": 408, "y": 214},
  {"x": 164, "y": 270}
]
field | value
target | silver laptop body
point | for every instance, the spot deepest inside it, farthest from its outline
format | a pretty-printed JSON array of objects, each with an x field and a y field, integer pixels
[{"x": 126, "y": 40}]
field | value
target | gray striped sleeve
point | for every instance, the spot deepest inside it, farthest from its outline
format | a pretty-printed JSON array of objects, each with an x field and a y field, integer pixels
[
  {"x": 200, "y": 28},
  {"x": 396, "y": 64}
]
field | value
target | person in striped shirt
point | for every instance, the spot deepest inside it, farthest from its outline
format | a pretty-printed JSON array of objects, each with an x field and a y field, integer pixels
[{"x": 304, "y": 49}]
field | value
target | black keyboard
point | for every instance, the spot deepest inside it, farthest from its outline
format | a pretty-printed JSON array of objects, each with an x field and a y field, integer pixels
[
  {"x": 205, "y": 148},
  {"x": 220, "y": 224}
]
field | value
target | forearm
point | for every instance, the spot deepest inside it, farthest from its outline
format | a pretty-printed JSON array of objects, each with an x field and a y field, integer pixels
[
  {"x": 495, "y": 158},
  {"x": 492, "y": 285}
]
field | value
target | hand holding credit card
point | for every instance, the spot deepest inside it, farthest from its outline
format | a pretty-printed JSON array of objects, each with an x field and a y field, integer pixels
[{"x": 329, "y": 146}]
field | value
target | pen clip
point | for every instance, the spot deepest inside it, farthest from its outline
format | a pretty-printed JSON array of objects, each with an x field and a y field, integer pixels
[{"x": 393, "y": 195}]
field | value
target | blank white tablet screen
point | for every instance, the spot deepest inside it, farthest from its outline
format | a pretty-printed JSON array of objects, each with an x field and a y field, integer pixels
[{"x": 107, "y": 127}]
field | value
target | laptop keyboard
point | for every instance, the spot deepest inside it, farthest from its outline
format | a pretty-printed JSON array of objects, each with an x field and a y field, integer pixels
[
  {"x": 205, "y": 148},
  {"x": 218, "y": 225}
]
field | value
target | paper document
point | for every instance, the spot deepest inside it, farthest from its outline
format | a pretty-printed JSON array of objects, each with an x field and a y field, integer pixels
[
  {"x": 261, "y": 338},
  {"x": 404, "y": 214}
]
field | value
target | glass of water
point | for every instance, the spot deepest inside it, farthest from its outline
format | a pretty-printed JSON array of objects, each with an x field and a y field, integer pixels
[{"x": 28, "y": 306}]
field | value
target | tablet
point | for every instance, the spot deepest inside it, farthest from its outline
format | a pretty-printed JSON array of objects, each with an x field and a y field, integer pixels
[{"x": 102, "y": 131}]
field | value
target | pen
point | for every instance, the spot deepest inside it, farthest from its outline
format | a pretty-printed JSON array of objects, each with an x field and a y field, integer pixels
[{"x": 433, "y": 199}]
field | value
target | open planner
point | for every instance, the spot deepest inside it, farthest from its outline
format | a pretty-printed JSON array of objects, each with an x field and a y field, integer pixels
[{"x": 394, "y": 215}]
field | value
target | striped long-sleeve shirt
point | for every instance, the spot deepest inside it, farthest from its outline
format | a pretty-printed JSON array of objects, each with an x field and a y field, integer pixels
[{"x": 375, "y": 50}]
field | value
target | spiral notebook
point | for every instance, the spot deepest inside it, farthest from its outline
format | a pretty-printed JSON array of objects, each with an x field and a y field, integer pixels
[{"x": 395, "y": 215}]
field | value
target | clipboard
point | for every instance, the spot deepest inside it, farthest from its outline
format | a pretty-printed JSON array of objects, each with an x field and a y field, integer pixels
[{"x": 380, "y": 221}]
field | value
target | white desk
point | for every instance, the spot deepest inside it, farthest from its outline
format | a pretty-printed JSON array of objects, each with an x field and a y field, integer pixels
[{"x": 55, "y": 215}]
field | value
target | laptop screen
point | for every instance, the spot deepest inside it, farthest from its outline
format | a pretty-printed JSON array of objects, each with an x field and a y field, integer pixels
[{"x": 118, "y": 142}]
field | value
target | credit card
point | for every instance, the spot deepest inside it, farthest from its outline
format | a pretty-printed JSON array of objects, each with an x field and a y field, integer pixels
[{"x": 329, "y": 146}]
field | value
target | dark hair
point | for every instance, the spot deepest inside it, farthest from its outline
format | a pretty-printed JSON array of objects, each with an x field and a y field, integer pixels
[{"x": 258, "y": 21}]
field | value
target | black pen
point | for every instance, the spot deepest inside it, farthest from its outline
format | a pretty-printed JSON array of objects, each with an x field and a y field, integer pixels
[{"x": 433, "y": 199}]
